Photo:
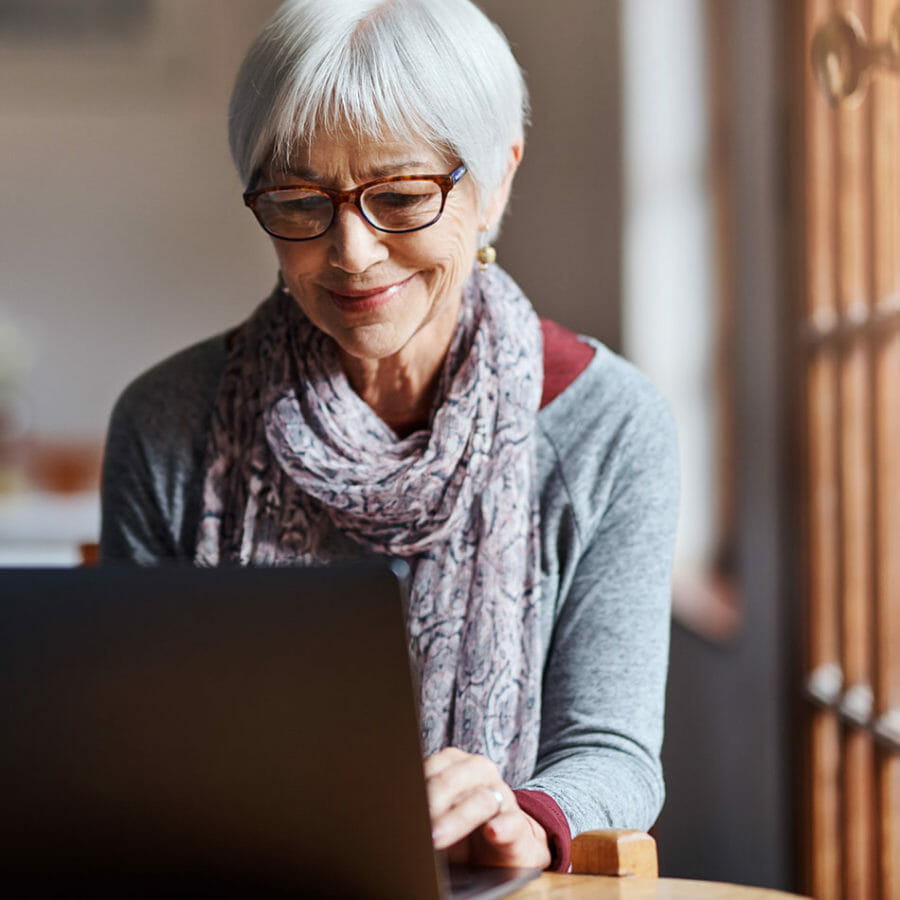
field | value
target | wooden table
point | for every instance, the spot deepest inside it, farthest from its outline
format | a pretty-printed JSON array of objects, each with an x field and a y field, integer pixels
[{"x": 597, "y": 887}]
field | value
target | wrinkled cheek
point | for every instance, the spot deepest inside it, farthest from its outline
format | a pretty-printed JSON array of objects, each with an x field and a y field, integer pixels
[
  {"x": 453, "y": 273},
  {"x": 295, "y": 265}
]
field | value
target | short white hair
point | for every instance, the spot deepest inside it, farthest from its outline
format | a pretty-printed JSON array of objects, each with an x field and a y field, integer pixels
[{"x": 433, "y": 70}]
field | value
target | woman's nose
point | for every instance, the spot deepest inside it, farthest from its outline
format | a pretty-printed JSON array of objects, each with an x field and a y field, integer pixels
[{"x": 355, "y": 244}]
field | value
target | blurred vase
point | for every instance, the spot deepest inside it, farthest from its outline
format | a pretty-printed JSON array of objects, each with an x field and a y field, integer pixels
[
  {"x": 13, "y": 435},
  {"x": 15, "y": 361}
]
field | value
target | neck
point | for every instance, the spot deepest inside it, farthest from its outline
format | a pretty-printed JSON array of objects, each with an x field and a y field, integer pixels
[
  {"x": 401, "y": 388},
  {"x": 400, "y": 395}
]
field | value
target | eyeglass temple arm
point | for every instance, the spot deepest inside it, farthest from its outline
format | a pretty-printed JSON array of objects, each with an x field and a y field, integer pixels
[{"x": 251, "y": 186}]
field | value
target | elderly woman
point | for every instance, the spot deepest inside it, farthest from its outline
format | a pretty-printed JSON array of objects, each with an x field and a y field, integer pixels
[{"x": 397, "y": 394}]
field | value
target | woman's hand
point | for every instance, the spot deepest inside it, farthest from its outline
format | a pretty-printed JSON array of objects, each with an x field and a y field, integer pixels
[{"x": 475, "y": 816}]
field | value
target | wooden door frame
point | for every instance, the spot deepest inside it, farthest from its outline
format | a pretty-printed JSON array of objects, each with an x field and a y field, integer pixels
[{"x": 845, "y": 355}]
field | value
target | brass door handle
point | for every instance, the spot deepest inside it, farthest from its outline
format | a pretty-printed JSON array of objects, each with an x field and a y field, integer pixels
[{"x": 843, "y": 60}]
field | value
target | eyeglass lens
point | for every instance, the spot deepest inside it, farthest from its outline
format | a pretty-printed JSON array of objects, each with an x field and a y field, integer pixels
[{"x": 392, "y": 206}]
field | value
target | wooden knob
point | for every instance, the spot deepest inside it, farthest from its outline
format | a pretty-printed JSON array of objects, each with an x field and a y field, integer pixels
[{"x": 843, "y": 61}]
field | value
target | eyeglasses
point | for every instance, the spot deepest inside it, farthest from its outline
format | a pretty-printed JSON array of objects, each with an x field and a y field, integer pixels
[{"x": 397, "y": 205}]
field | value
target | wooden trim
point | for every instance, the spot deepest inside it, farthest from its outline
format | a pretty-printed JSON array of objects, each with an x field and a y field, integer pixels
[
  {"x": 887, "y": 632},
  {"x": 848, "y": 218},
  {"x": 817, "y": 169},
  {"x": 854, "y": 192},
  {"x": 885, "y": 103},
  {"x": 720, "y": 101},
  {"x": 889, "y": 843}
]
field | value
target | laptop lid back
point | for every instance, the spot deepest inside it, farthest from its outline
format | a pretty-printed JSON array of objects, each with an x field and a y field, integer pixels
[{"x": 184, "y": 729}]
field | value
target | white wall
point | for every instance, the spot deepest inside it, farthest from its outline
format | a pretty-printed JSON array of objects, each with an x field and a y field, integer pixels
[
  {"x": 122, "y": 234},
  {"x": 562, "y": 239},
  {"x": 669, "y": 260}
]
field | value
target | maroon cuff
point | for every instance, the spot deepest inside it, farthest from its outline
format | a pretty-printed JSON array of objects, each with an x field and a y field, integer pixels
[{"x": 546, "y": 812}]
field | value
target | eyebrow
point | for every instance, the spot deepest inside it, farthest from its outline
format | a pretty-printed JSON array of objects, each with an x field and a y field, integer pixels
[{"x": 414, "y": 167}]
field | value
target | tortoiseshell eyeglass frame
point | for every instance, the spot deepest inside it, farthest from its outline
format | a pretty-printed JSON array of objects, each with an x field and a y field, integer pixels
[{"x": 445, "y": 182}]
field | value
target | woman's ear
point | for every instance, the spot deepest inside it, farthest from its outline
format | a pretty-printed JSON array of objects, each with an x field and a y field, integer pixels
[{"x": 499, "y": 197}]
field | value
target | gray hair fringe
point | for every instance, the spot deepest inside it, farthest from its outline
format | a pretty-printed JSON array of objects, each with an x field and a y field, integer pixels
[{"x": 432, "y": 70}]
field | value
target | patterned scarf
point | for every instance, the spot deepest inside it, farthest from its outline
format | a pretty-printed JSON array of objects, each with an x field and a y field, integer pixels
[{"x": 300, "y": 470}]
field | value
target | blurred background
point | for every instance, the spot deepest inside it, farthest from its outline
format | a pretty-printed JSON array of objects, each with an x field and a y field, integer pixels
[{"x": 688, "y": 197}]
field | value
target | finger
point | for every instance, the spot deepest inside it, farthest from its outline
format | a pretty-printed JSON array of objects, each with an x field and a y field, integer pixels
[
  {"x": 507, "y": 829},
  {"x": 514, "y": 838},
  {"x": 450, "y": 781},
  {"x": 443, "y": 759},
  {"x": 439, "y": 785},
  {"x": 469, "y": 812}
]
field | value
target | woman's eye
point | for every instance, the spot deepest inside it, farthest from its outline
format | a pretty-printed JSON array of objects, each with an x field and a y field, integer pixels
[
  {"x": 398, "y": 200},
  {"x": 302, "y": 205}
]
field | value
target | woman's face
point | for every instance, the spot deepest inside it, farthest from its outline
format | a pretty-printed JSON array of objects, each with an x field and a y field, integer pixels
[{"x": 379, "y": 294}]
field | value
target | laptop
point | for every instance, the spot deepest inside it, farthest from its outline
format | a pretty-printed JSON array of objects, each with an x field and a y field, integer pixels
[{"x": 214, "y": 732}]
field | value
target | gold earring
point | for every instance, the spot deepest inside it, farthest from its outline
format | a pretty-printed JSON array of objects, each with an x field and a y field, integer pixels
[{"x": 486, "y": 255}]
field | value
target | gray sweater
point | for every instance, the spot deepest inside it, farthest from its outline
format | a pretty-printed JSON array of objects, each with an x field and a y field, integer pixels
[{"x": 608, "y": 474}]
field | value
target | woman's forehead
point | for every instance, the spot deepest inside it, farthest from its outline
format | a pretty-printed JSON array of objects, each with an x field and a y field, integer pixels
[{"x": 352, "y": 158}]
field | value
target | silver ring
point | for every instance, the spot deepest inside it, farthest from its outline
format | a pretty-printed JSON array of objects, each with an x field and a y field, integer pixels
[{"x": 499, "y": 798}]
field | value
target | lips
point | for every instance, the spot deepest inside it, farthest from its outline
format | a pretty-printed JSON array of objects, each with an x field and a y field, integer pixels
[{"x": 364, "y": 300}]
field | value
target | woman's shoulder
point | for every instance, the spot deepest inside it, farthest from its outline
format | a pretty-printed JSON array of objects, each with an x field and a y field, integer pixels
[
  {"x": 160, "y": 422},
  {"x": 179, "y": 386},
  {"x": 154, "y": 449},
  {"x": 601, "y": 392},
  {"x": 609, "y": 426},
  {"x": 162, "y": 417}
]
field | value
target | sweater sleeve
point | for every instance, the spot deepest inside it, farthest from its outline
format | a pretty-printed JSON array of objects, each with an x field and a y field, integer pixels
[{"x": 611, "y": 525}]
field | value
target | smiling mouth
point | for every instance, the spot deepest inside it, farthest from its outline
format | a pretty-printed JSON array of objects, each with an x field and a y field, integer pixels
[{"x": 364, "y": 300}]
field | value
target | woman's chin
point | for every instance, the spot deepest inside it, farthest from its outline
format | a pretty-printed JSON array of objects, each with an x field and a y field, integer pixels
[{"x": 370, "y": 342}]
